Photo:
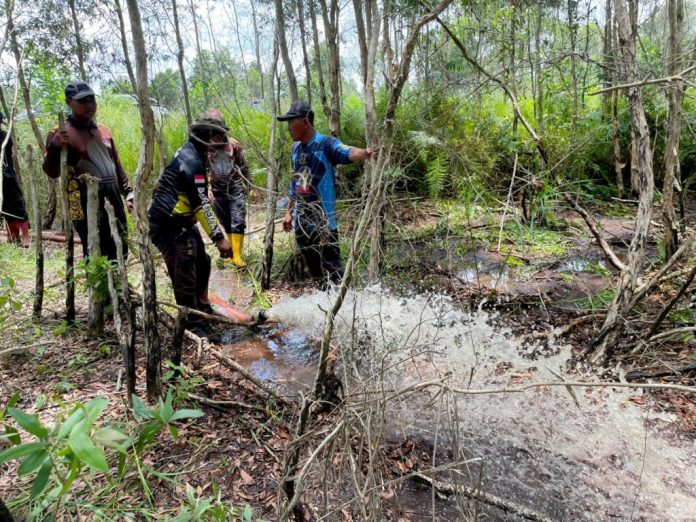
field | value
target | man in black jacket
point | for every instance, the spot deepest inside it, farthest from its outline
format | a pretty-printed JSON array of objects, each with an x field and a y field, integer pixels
[{"x": 180, "y": 199}]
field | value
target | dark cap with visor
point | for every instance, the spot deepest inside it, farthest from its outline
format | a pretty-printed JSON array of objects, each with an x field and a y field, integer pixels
[
  {"x": 78, "y": 90},
  {"x": 298, "y": 109}
]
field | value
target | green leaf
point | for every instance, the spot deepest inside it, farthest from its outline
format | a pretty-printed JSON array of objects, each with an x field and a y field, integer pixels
[
  {"x": 86, "y": 451},
  {"x": 33, "y": 462},
  {"x": 42, "y": 478},
  {"x": 22, "y": 450},
  {"x": 12, "y": 435},
  {"x": 173, "y": 431},
  {"x": 28, "y": 422},
  {"x": 140, "y": 410},
  {"x": 95, "y": 407},
  {"x": 186, "y": 414},
  {"x": 109, "y": 436},
  {"x": 13, "y": 400},
  {"x": 77, "y": 415},
  {"x": 248, "y": 512}
]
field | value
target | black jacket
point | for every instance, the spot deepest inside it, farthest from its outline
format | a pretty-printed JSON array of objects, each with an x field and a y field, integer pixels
[{"x": 181, "y": 193}]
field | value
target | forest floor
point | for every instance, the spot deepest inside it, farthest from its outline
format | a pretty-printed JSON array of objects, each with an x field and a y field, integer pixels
[{"x": 235, "y": 452}]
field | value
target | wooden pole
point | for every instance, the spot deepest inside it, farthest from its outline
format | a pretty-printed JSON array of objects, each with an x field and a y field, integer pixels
[
  {"x": 68, "y": 228},
  {"x": 126, "y": 339},
  {"x": 38, "y": 242},
  {"x": 96, "y": 301}
]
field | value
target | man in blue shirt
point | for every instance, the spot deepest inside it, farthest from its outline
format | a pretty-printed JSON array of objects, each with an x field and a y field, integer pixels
[{"x": 311, "y": 211}]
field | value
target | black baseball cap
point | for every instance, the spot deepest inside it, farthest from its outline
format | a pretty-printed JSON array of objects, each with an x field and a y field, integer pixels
[
  {"x": 78, "y": 90},
  {"x": 298, "y": 109}
]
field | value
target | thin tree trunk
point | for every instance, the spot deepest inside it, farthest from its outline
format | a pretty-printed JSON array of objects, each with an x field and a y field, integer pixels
[
  {"x": 68, "y": 229},
  {"x": 124, "y": 337},
  {"x": 271, "y": 184},
  {"x": 142, "y": 176},
  {"x": 79, "y": 47},
  {"x": 257, "y": 47},
  {"x": 180, "y": 62},
  {"x": 573, "y": 32},
  {"x": 305, "y": 57},
  {"x": 611, "y": 329},
  {"x": 330, "y": 16},
  {"x": 95, "y": 325},
  {"x": 616, "y": 142},
  {"x": 675, "y": 95},
  {"x": 124, "y": 44},
  {"x": 38, "y": 239},
  {"x": 317, "y": 60},
  {"x": 538, "y": 75},
  {"x": 284, "y": 53},
  {"x": 362, "y": 37},
  {"x": 615, "y": 77}
]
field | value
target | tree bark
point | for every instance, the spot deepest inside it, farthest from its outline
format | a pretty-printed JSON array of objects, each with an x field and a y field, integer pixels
[
  {"x": 330, "y": 16},
  {"x": 284, "y": 53},
  {"x": 271, "y": 184},
  {"x": 79, "y": 47},
  {"x": 180, "y": 63},
  {"x": 538, "y": 69},
  {"x": 24, "y": 87},
  {"x": 257, "y": 48},
  {"x": 317, "y": 60},
  {"x": 124, "y": 44},
  {"x": 38, "y": 239},
  {"x": 68, "y": 229},
  {"x": 95, "y": 324},
  {"x": 305, "y": 57},
  {"x": 611, "y": 329},
  {"x": 142, "y": 176},
  {"x": 675, "y": 96},
  {"x": 124, "y": 337}
]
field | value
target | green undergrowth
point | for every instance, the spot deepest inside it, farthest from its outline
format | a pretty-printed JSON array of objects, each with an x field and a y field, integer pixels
[{"x": 86, "y": 459}]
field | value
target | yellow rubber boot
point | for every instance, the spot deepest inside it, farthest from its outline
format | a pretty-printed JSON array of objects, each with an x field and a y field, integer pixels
[{"x": 237, "y": 242}]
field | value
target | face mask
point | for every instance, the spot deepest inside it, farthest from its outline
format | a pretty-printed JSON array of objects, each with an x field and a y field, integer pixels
[{"x": 220, "y": 162}]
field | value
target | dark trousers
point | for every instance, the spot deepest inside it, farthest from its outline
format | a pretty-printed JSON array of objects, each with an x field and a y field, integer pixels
[
  {"x": 187, "y": 262},
  {"x": 12, "y": 198},
  {"x": 321, "y": 253},
  {"x": 230, "y": 207}
]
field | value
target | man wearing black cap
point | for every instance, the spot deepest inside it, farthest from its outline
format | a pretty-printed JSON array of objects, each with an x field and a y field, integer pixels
[
  {"x": 14, "y": 209},
  {"x": 312, "y": 207},
  {"x": 91, "y": 150},
  {"x": 180, "y": 199}
]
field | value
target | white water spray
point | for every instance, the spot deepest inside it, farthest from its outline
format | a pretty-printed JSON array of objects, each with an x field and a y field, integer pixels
[{"x": 605, "y": 458}]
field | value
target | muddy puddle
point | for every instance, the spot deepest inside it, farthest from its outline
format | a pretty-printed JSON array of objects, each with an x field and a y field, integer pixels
[{"x": 594, "y": 455}]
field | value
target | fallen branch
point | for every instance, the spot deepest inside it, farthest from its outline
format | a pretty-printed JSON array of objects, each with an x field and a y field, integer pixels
[
  {"x": 52, "y": 236},
  {"x": 526, "y": 387},
  {"x": 641, "y": 291},
  {"x": 234, "y": 365},
  {"x": 563, "y": 330},
  {"x": 18, "y": 349},
  {"x": 235, "y": 404},
  {"x": 492, "y": 500},
  {"x": 670, "y": 333},
  {"x": 647, "y": 374},
  {"x": 666, "y": 309},
  {"x": 608, "y": 252}
]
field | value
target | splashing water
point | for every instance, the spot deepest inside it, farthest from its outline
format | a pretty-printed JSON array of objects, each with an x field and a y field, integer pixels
[{"x": 602, "y": 458}]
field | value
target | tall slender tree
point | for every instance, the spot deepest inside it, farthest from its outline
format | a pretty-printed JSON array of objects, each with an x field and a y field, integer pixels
[{"x": 140, "y": 184}]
